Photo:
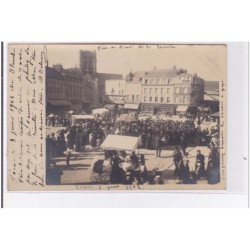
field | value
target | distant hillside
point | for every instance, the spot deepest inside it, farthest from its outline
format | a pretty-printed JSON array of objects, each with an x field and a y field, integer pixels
[{"x": 211, "y": 85}]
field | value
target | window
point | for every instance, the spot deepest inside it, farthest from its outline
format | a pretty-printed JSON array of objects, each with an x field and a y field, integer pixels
[
  {"x": 137, "y": 98},
  {"x": 156, "y": 99},
  {"x": 145, "y": 90},
  {"x": 145, "y": 99},
  {"x": 176, "y": 99},
  {"x": 133, "y": 98},
  {"x": 177, "y": 91},
  {"x": 169, "y": 81},
  {"x": 168, "y": 99},
  {"x": 168, "y": 90},
  {"x": 156, "y": 91},
  {"x": 146, "y": 81},
  {"x": 161, "y": 90},
  {"x": 150, "y": 91},
  {"x": 162, "y": 99},
  {"x": 150, "y": 99}
]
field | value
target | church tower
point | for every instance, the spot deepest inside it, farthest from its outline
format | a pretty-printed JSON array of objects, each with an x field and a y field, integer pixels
[{"x": 88, "y": 62}]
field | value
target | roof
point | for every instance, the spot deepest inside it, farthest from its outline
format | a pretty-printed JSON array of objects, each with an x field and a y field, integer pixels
[
  {"x": 71, "y": 73},
  {"x": 120, "y": 142},
  {"x": 108, "y": 76},
  {"x": 53, "y": 73},
  {"x": 58, "y": 102},
  {"x": 160, "y": 73}
]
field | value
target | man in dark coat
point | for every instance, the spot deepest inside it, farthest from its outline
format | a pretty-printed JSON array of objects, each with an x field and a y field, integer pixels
[
  {"x": 200, "y": 164},
  {"x": 134, "y": 160},
  {"x": 177, "y": 157}
]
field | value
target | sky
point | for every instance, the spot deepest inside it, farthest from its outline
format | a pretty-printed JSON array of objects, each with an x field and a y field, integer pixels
[{"x": 208, "y": 61}]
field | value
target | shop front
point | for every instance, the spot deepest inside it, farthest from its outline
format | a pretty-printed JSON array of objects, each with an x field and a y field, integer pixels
[
  {"x": 131, "y": 108},
  {"x": 57, "y": 106},
  {"x": 154, "y": 109}
]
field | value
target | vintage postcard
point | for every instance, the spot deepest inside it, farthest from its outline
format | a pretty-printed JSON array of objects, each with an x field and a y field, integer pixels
[{"x": 116, "y": 117}]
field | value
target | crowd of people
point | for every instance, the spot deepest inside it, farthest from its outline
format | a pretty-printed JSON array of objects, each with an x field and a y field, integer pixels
[{"x": 153, "y": 134}]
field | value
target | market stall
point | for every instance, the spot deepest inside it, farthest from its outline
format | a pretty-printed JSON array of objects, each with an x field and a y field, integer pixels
[
  {"x": 77, "y": 119},
  {"x": 120, "y": 143}
]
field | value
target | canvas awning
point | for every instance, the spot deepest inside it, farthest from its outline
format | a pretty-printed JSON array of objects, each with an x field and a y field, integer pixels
[
  {"x": 208, "y": 97},
  {"x": 83, "y": 117},
  {"x": 59, "y": 103},
  {"x": 182, "y": 108},
  {"x": 216, "y": 114},
  {"x": 100, "y": 111},
  {"x": 120, "y": 142},
  {"x": 131, "y": 106},
  {"x": 109, "y": 106},
  {"x": 204, "y": 109}
]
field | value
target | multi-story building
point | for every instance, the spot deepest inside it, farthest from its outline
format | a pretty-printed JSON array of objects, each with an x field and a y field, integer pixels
[
  {"x": 67, "y": 90},
  {"x": 55, "y": 91},
  {"x": 77, "y": 89},
  {"x": 160, "y": 91}
]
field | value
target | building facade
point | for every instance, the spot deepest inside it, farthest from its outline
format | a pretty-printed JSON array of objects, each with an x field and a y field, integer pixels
[
  {"x": 79, "y": 89},
  {"x": 67, "y": 90},
  {"x": 165, "y": 91}
]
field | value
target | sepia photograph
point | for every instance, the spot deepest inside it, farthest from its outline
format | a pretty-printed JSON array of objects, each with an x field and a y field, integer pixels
[{"x": 134, "y": 115}]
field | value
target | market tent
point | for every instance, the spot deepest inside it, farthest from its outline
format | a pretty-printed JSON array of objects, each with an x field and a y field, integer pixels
[
  {"x": 109, "y": 106},
  {"x": 216, "y": 114},
  {"x": 51, "y": 115},
  {"x": 120, "y": 142},
  {"x": 182, "y": 108},
  {"x": 83, "y": 117},
  {"x": 58, "y": 102},
  {"x": 126, "y": 118},
  {"x": 204, "y": 109},
  {"x": 131, "y": 106},
  {"x": 100, "y": 111}
]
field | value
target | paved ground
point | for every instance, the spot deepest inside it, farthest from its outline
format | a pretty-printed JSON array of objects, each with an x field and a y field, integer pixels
[{"x": 80, "y": 165}]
